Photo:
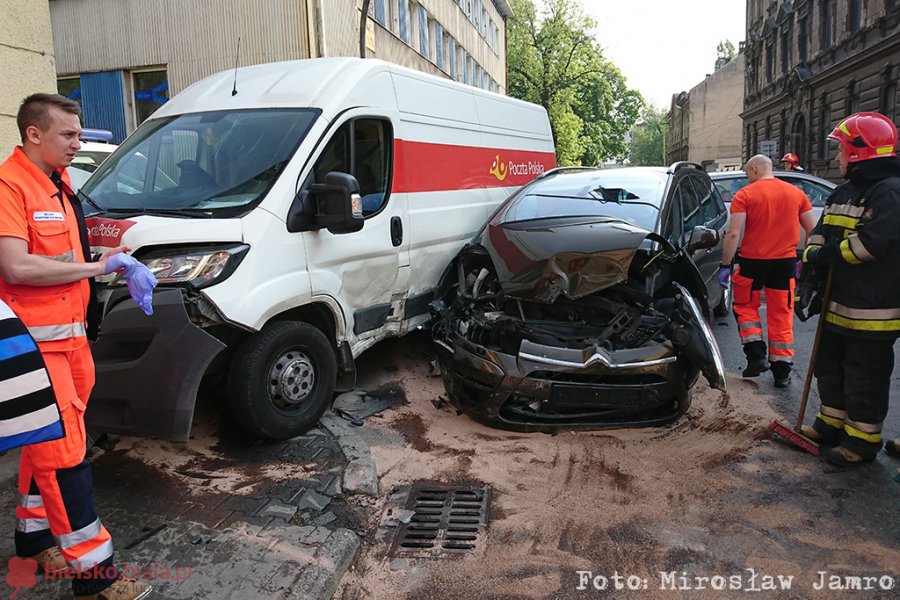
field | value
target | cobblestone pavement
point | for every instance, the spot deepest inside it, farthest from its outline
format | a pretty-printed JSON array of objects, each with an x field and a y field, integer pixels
[{"x": 256, "y": 537}]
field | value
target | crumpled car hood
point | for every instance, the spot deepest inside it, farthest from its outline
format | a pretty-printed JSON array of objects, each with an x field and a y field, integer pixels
[{"x": 572, "y": 258}]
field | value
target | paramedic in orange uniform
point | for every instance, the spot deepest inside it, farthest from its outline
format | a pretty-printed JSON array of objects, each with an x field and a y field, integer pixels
[
  {"x": 44, "y": 271},
  {"x": 769, "y": 212}
]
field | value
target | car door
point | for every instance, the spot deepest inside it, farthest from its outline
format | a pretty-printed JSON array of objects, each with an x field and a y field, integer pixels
[
  {"x": 711, "y": 213},
  {"x": 367, "y": 271}
]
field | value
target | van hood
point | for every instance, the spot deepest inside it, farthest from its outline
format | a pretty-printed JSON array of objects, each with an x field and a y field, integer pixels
[
  {"x": 574, "y": 257},
  {"x": 146, "y": 230}
]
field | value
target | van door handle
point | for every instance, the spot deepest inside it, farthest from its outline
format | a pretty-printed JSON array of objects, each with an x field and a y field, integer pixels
[{"x": 396, "y": 231}]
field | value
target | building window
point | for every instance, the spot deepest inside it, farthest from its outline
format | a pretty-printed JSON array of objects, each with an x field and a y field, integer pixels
[
  {"x": 423, "y": 32},
  {"x": 803, "y": 38},
  {"x": 824, "y": 124},
  {"x": 890, "y": 4},
  {"x": 381, "y": 13},
  {"x": 439, "y": 45},
  {"x": 854, "y": 15},
  {"x": 70, "y": 87},
  {"x": 852, "y": 97},
  {"x": 404, "y": 21},
  {"x": 748, "y": 137},
  {"x": 463, "y": 66},
  {"x": 785, "y": 49},
  {"x": 889, "y": 93},
  {"x": 151, "y": 90},
  {"x": 453, "y": 58},
  {"x": 827, "y": 24},
  {"x": 755, "y": 146},
  {"x": 784, "y": 131},
  {"x": 770, "y": 61}
]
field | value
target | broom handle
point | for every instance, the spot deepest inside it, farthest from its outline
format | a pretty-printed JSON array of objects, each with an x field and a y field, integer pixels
[{"x": 826, "y": 295}]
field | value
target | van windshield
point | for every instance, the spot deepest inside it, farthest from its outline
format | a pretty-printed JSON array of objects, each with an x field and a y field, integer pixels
[{"x": 201, "y": 164}]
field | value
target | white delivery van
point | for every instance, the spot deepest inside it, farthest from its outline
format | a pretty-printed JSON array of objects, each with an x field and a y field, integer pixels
[{"x": 294, "y": 214}]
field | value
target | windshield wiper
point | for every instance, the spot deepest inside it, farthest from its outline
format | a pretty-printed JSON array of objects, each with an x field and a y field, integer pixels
[
  {"x": 165, "y": 212},
  {"x": 83, "y": 196}
]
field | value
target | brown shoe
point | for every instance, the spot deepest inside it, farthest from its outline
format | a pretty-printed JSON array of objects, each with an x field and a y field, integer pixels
[
  {"x": 892, "y": 447},
  {"x": 125, "y": 588},
  {"x": 51, "y": 561}
]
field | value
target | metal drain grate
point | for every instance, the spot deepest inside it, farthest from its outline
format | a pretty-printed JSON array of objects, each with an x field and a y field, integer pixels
[{"x": 446, "y": 520}]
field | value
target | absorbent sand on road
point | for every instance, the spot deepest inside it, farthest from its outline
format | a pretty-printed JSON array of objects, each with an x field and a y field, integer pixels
[{"x": 708, "y": 496}]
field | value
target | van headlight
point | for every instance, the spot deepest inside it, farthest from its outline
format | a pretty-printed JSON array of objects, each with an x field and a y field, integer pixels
[{"x": 197, "y": 267}]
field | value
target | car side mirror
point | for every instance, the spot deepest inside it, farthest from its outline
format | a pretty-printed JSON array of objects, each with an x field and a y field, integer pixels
[
  {"x": 334, "y": 205},
  {"x": 702, "y": 237}
]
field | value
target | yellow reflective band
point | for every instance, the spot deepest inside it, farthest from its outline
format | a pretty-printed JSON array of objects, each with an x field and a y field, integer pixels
[
  {"x": 847, "y": 253},
  {"x": 872, "y": 438},
  {"x": 859, "y": 248},
  {"x": 841, "y": 221},
  {"x": 863, "y": 325},
  {"x": 843, "y": 127},
  {"x": 830, "y": 421},
  {"x": 807, "y": 249},
  {"x": 884, "y": 150}
]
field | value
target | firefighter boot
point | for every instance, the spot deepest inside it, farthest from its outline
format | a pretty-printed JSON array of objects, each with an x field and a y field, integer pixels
[
  {"x": 782, "y": 373},
  {"x": 845, "y": 457},
  {"x": 125, "y": 588},
  {"x": 823, "y": 441},
  {"x": 892, "y": 447},
  {"x": 51, "y": 561}
]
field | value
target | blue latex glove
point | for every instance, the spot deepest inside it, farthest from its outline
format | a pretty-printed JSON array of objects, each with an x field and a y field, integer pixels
[
  {"x": 121, "y": 263},
  {"x": 724, "y": 276},
  {"x": 140, "y": 285}
]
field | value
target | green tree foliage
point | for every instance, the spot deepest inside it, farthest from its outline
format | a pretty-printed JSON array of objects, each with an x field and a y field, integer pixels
[
  {"x": 724, "y": 53},
  {"x": 648, "y": 138},
  {"x": 555, "y": 61}
]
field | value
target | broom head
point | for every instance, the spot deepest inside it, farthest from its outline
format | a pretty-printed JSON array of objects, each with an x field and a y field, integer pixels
[{"x": 791, "y": 436}]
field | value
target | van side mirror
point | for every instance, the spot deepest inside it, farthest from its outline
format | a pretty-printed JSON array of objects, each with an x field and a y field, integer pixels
[
  {"x": 702, "y": 237},
  {"x": 334, "y": 205}
]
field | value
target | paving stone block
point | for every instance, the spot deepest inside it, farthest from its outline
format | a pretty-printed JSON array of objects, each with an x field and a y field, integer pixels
[
  {"x": 313, "y": 500},
  {"x": 276, "y": 510}
]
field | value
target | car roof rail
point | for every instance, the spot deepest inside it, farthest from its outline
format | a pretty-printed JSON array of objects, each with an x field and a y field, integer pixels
[
  {"x": 683, "y": 164},
  {"x": 557, "y": 170}
]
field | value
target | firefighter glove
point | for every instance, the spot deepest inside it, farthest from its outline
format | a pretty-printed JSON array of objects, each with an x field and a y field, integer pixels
[
  {"x": 808, "y": 294},
  {"x": 724, "y": 276},
  {"x": 140, "y": 286}
]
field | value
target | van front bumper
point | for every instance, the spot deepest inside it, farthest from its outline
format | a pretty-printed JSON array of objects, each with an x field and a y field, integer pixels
[{"x": 149, "y": 368}]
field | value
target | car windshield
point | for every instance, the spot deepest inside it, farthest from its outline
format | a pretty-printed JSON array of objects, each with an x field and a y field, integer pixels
[
  {"x": 633, "y": 197},
  {"x": 199, "y": 164}
]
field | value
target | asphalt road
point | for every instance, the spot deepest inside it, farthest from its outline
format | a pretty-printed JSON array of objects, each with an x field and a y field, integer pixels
[{"x": 789, "y": 398}]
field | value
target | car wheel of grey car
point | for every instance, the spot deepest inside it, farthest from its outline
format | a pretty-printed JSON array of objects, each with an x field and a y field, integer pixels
[
  {"x": 282, "y": 380},
  {"x": 724, "y": 307}
]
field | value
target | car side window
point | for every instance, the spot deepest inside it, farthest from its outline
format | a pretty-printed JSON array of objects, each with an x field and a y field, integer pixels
[
  {"x": 673, "y": 226},
  {"x": 690, "y": 204},
  {"x": 816, "y": 193},
  {"x": 709, "y": 208},
  {"x": 363, "y": 148}
]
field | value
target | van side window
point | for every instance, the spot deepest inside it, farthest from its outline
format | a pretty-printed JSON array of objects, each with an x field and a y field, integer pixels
[{"x": 363, "y": 148}]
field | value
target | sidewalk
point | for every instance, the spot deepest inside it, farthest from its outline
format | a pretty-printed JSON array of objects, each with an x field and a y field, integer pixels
[{"x": 292, "y": 539}]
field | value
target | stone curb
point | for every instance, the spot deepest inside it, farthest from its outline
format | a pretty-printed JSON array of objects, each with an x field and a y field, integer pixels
[{"x": 360, "y": 476}]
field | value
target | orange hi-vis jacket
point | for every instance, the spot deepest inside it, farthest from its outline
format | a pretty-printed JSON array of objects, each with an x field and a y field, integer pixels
[{"x": 31, "y": 209}]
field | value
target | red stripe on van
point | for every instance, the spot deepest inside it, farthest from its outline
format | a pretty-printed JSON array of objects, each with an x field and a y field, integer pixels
[{"x": 425, "y": 167}]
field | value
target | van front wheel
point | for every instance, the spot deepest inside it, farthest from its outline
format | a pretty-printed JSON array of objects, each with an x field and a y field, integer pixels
[{"x": 282, "y": 380}]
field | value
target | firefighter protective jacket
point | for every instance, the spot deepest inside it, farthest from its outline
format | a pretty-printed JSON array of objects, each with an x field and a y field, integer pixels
[{"x": 858, "y": 235}]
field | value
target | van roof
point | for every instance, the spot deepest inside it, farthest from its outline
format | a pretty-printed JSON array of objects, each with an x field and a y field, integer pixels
[{"x": 314, "y": 83}]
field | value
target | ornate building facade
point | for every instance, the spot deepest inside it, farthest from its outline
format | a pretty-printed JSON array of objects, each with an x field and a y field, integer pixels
[{"x": 809, "y": 64}]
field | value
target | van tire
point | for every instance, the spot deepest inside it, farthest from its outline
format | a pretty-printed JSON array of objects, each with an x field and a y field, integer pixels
[{"x": 273, "y": 406}]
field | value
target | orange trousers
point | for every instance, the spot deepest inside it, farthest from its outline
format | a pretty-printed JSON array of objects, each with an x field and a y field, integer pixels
[
  {"x": 56, "y": 504},
  {"x": 776, "y": 278}
]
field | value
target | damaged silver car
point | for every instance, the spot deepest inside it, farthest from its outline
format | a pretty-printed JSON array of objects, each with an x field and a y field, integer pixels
[{"x": 578, "y": 304}]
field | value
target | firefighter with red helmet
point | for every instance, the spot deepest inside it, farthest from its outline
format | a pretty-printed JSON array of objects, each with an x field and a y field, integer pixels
[
  {"x": 858, "y": 238},
  {"x": 791, "y": 162}
]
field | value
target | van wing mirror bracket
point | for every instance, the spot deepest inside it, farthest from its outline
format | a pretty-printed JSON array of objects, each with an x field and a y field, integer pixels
[{"x": 334, "y": 205}]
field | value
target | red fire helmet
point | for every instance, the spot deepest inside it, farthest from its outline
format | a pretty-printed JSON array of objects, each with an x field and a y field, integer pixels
[{"x": 866, "y": 135}]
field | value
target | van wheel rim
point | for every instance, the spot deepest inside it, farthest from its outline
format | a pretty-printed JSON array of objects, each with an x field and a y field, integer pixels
[{"x": 291, "y": 379}]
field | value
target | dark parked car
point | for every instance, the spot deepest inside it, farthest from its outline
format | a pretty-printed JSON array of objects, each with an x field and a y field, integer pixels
[{"x": 578, "y": 304}]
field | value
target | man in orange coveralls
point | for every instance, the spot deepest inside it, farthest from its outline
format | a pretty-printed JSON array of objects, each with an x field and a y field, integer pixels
[
  {"x": 45, "y": 266},
  {"x": 770, "y": 212}
]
